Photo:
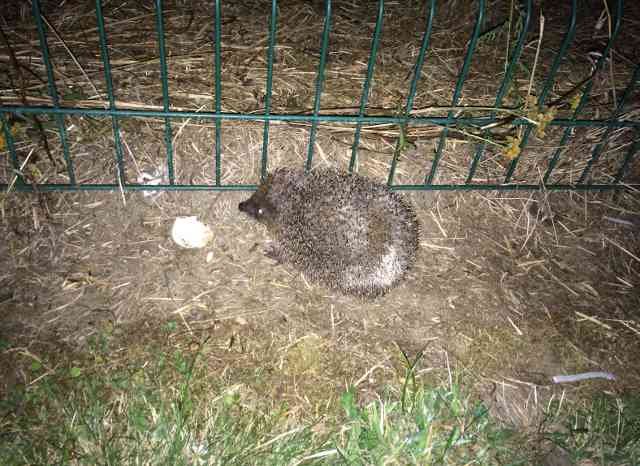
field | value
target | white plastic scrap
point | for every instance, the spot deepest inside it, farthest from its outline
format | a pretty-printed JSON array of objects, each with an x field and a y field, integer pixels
[
  {"x": 583, "y": 376},
  {"x": 190, "y": 233},
  {"x": 151, "y": 179}
]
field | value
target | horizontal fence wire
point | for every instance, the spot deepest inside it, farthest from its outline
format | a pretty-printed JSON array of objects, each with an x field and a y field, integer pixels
[
  {"x": 403, "y": 120},
  {"x": 437, "y": 121},
  {"x": 50, "y": 187}
]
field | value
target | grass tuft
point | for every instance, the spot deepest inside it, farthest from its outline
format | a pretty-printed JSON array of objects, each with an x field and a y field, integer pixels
[
  {"x": 605, "y": 431},
  {"x": 439, "y": 426}
]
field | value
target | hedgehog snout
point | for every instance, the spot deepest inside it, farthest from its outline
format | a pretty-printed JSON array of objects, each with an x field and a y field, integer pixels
[
  {"x": 252, "y": 209},
  {"x": 247, "y": 208}
]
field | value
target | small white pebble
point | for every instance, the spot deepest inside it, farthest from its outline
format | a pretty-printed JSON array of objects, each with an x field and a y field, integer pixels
[{"x": 190, "y": 233}]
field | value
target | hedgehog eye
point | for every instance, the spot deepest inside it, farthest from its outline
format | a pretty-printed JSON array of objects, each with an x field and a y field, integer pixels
[{"x": 260, "y": 211}]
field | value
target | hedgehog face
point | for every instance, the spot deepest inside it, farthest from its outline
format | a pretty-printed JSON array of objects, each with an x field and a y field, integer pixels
[{"x": 258, "y": 208}]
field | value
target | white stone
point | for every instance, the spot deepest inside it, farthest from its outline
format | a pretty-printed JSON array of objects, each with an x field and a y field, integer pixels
[{"x": 190, "y": 233}]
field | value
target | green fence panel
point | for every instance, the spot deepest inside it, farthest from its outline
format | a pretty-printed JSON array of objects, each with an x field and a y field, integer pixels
[{"x": 403, "y": 119}]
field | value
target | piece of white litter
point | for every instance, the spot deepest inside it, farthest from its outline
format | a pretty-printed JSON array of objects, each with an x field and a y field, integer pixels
[
  {"x": 151, "y": 179},
  {"x": 190, "y": 233},
  {"x": 620, "y": 221},
  {"x": 583, "y": 376}
]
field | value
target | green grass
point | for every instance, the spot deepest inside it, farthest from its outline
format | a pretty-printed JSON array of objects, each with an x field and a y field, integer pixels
[
  {"x": 165, "y": 413},
  {"x": 439, "y": 426},
  {"x": 605, "y": 430},
  {"x": 163, "y": 406}
]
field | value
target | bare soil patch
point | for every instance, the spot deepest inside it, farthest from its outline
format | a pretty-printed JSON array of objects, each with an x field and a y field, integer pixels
[{"x": 512, "y": 298}]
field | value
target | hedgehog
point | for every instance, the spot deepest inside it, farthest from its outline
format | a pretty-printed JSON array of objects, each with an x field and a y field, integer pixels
[{"x": 343, "y": 231}]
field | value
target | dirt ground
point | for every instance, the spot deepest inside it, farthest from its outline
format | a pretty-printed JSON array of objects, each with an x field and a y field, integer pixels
[
  {"x": 498, "y": 290},
  {"x": 510, "y": 288}
]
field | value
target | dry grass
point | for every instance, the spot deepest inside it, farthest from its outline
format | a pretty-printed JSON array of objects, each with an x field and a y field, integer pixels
[
  {"x": 514, "y": 288},
  {"x": 136, "y": 72}
]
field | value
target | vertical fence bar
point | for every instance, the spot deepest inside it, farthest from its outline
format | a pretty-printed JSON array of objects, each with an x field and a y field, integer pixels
[
  {"x": 53, "y": 91},
  {"x": 164, "y": 77},
  {"x": 627, "y": 160},
  {"x": 375, "y": 42},
  {"x": 503, "y": 87},
  {"x": 8, "y": 137},
  {"x": 115, "y": 125},
  {"x": 597, "y": 150},
  {"x": 413, "y": 87},
  {"x": 267, "y": 98},
  {"x": 218, "y": 85},
  {"x": 456, "y": 94},
  {"x": 319, "y": 81}
]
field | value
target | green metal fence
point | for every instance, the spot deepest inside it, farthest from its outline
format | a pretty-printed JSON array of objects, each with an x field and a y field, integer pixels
[{"x": 403, "y": 119}]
